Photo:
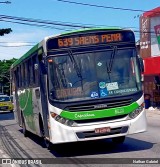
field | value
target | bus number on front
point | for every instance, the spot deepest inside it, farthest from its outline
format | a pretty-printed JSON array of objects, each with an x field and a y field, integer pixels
[{"x": 65, "y": 42}]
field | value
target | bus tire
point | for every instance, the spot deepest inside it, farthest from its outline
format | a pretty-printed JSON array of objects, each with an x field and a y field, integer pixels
[
  {"x": 45, "y": 143},
  {"x": 48, "y": 144},
  {"x": 25, "y": 132},
  {"x": 118, "y": 140}
]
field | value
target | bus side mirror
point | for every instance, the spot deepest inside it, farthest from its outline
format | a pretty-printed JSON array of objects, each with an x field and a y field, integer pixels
[
  {"x": 43, "y": 68},
  {"x": 141, "y": 64}
]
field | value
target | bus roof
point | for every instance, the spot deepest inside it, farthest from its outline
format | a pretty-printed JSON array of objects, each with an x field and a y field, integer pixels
[
  {"x": 32, "y": 50},
  {"x": 35, "y": 48},
  {"x": 91, "y": 29}
]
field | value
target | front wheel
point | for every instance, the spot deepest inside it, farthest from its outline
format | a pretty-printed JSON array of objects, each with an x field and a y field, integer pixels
[
  {"x": 45, "y": 143},
  {"x": 118, "y": 140},
  {"x": 25, "y": 132}
]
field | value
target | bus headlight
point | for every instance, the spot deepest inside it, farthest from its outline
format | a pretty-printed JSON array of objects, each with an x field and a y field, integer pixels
[
  {"x": 62, "y": 120},
  {"x": 136, "y": 112}
]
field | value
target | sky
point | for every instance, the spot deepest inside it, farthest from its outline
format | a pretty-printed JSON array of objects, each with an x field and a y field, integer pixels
[{"x": 25, "y": 35}]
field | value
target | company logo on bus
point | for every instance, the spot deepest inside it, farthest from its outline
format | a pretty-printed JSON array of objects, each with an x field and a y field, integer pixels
[
  {"x": 119, "y": 111},
  {"x": 100, "y": 106},
  {"x": 84, "y": 115}
]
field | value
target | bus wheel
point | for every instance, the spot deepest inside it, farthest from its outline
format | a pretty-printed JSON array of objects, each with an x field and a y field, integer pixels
[
  {"x": 118, "y": 140},
  {"x": 25, "y": 132},
  {"x": 45, "y": 142},
  {"x": 48, "y": 144}
]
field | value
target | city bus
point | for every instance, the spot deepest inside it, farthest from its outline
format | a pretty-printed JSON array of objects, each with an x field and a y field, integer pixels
[{"x": 80, "y": 85}]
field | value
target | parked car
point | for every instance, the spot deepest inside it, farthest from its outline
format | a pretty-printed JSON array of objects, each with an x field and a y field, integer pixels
[{"x": 5, "y": 103}]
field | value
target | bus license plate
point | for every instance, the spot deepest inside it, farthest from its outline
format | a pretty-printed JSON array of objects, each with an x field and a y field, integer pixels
[
  {"x": 103, "y": 130},
  {"x": 3, "y": 108}
]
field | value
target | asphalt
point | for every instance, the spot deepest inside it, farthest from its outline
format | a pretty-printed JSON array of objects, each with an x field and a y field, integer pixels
[
  {"x": 5, "y": 160},
  {"x": 151, "y": 112}
]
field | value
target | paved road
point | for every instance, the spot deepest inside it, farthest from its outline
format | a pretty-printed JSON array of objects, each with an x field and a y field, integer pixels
[{"x": 143, "y": 145}]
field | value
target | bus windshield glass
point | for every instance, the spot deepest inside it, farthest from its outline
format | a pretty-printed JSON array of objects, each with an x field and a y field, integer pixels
[{"x": 99, "y": 74}]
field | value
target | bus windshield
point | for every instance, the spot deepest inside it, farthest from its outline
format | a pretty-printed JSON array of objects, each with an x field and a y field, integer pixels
[{"x": 99, "y": 74}]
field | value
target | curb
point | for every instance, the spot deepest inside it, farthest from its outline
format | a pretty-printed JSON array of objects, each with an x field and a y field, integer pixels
[{"x": 153, "y": 111}]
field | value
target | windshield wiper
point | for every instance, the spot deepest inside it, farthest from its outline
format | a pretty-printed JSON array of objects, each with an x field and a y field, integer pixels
[
  {"x": 78, "y": 71},
  {"x": 109, "y": 67},
  {"x": 75, "y": 63}
]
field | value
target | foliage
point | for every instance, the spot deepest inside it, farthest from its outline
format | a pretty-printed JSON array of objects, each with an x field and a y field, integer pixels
[
  {"x": 5, "y": 31},
  {"x": 5, "y": 74}
]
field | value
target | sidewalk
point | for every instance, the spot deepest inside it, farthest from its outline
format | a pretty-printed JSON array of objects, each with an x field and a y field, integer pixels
[{"x": 151, "y": 111}]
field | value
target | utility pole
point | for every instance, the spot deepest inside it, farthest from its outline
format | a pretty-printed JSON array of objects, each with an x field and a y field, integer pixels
[{"x": 6, "y": 2}]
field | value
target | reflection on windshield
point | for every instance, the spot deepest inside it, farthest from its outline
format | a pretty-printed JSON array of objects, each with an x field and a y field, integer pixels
[{"x": 93, "y": 75}]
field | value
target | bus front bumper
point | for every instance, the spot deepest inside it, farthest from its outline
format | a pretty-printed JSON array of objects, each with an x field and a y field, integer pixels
[{"x": 60, "y": 133}]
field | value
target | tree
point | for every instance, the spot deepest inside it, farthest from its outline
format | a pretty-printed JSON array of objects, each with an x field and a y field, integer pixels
[
  {"x": 5, "y": 75},
  {"x": 5, "y": 31}
]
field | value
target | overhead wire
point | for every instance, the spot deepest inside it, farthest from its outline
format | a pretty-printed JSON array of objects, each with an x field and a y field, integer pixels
[
  {"x": 43, "y": 21},
  {"x": 37, "y": 25},
  {"x": 32, "y": 22},
  {"x": 66, "y": 24},
  {"x": 70, "y": 24},
  {"x": 57, "y": 23},
  {"x": 102, "y": 6},
  {"x": 49, "y": 24}
]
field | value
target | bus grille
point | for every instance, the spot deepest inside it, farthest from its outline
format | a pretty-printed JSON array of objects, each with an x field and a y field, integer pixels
[
  {"x": 114, "y": 118},
  {"x": 99, "y": 105}
]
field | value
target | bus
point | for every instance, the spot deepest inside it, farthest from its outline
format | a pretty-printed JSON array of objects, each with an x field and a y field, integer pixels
[{"x": 80, "y": 85}]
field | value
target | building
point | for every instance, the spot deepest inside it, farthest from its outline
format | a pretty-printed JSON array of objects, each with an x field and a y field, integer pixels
[{"x": 150, "y": 52}]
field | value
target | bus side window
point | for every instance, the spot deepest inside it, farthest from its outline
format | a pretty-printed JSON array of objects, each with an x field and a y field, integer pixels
[
  {"x": 16, "y": 77},
  {"x": 30, "y": 72},
  {"x": 19, "y": 75},
  {"x": 42, "y": 67},
  {"x": 23, "y": 74},
  {"x": 35, "y": 70},
  {"x": 26, "y": 74},
  {"x": 14, "y": 80}
]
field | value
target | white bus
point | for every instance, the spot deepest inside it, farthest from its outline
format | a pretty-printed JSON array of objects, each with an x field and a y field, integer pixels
[{"x": 81, "y": 85}]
